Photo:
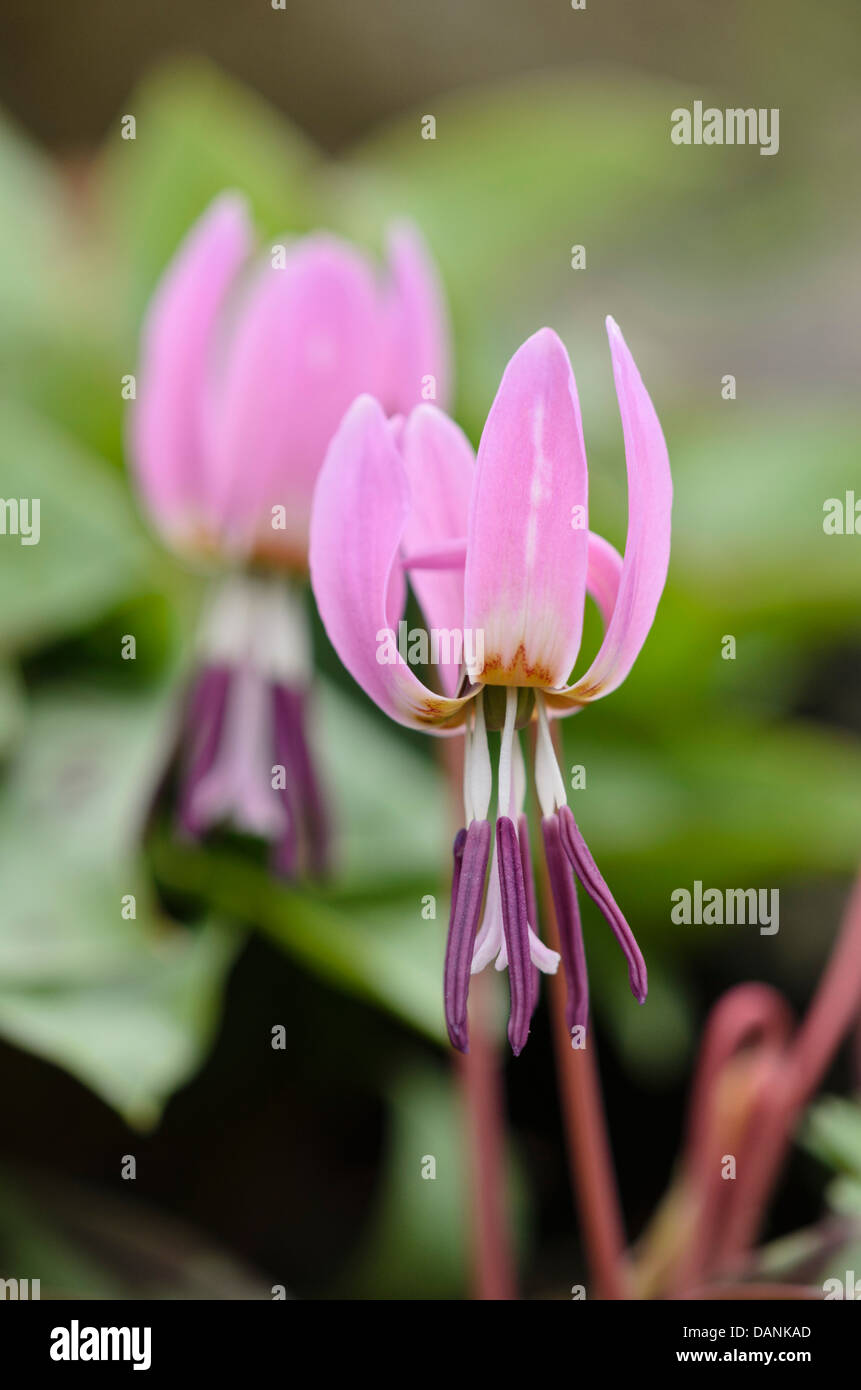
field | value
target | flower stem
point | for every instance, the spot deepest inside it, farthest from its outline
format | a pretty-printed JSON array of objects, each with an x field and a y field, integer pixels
[
  {"x": 834, "y": 1009},
  {"x": 590, "y": 1159},
  {"x": 589, "y": 1156},
  {"x": 479, "y": 1078},
  {"x": 481, "y": 1090}
]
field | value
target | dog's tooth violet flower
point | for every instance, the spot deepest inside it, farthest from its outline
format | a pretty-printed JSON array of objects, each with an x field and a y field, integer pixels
[
  {"x": 247, "y": 367},
  {"x": 498, "y": 549}
]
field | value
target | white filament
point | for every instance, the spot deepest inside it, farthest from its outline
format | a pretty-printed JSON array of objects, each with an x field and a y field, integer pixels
[
  {"x": 518, "y": 777},
  {"x": 504, "y": 792},
  {"x": 548, "y": 778},
  {"x": 283, "y": 647},
  {"x": 261, "y": 621},
  {"x": 468, "y": 811},
  {"x": 480, "y": 773}
]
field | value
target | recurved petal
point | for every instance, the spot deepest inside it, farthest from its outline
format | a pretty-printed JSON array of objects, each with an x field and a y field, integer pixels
[
  {"x": 602, "y": 584},
  {"x": 416, "y": 321},
  {"x": 528, "y": 537},
  {"x": 305, "y": 345},
  {"x": 647, "y": 549},
  {"x": 439, "y": 465},
  {"x": 603, "y": 575},
  {"x": 361, "y": 504},
  {"x": 166, "y": 424}
]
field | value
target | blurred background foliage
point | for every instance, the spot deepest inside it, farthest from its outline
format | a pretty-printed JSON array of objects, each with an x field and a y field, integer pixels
[{"x": 739, "y": 773}]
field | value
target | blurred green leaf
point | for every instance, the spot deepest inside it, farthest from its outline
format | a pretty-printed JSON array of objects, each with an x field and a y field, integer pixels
[
  {"x": 506, "y": 262},
  {"x": 653, "y": 1053},
  {"x": 126, "y": 1004},
  {"x": 746, "y": 802},
  {"x": 832, "y": 1132},
  {"x": 82, "y": 1244},
  {"x": 11, "y": 705},
  {"x": 843, "y": 1195},
  {"x": 389, "y": 807},
  {"x": 748, "y": 532},
  {"x": 363, "y": 932},
  {"x": 91, "y": 550},
  {"x": 60, "y": 306},
  {"x": 199, "y": 133},
  {"x": 29, "y": 211},
  {"x": 382, "y": 950},
  {"x": 417, "y": 1247}
]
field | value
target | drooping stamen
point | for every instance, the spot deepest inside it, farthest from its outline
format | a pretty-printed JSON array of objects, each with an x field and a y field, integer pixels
[
  {"x": 238, "y": 786},
  {"x": 568, "y": 921},
  {"x": 470, "y": 869},
  {"x": 203, "y": 724},
  {"x": 489, "y": 942},
  {"x": 589, "y": 875},
  {"x": 237, "y": 633},
  {"x": 302, "y": 795},
  {"x": 518, "y": 800},
  {"x": 516, "y": 928},
  {"x": 286, "y": 851},
  {"x": 457, "y": 865},
  {"x": 531, "y": 902}
]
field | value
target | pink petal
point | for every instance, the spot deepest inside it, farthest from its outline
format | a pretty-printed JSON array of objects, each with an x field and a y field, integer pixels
[
  {"x": 603, "y": 575},
  {"x": 418, "y": 336},
  {"x": 361, "y": 505},
  {"x": 305, "y": 345},
  {"x": 439, "y": 465},
  {"x": 526, "y": 562},
  {"x": 166, "y": 443},
  {"x": 647, "y": 550}
]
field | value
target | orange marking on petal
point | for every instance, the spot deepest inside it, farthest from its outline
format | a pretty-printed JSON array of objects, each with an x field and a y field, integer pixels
[{"x": 517, "y": 671}]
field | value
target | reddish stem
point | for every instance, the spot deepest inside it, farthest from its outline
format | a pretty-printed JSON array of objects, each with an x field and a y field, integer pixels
[
  {"x": 480, "y": 1080},
  {"x": 753, "y": 1018},
  {"x": 589, "y": 1156},
  {"x": 481, "y": 1087},
  {"x": 834, "y": 1008}
]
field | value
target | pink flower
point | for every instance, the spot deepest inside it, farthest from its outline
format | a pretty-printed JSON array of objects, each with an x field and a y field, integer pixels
[
  {"x": 247, "y": 367},
  {"x": 500, "y": 556}
]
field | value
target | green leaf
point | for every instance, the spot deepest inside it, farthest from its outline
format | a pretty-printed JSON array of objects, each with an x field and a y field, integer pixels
[
  {"x": 506, "y": 261},
  {"x": 11, "y": 705},
  {"x": 90, "y": 551},
  {"x": 197, "y": 134},
  {"x": 30, "y": 204},
  {"x": 843, "y": 1195},
  {"x": 747, "y": 802},
  {"x": 363, "y": 932},
  {"x": 832, "y": 1132},
  {"x": 389, "y": 810},
  {"x": 382, "y": 951},
  {"x": 60, "y": 304},
  {"x": 748, "y": 534},
  {"x": 127, "y": 1004},
  {"x": 417, "y": 1247},
  {"x": 84, "y": 1244},
  {"x": 133, "y": 1036}
]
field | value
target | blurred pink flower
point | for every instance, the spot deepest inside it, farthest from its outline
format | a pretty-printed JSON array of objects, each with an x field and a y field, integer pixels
[
  {"x": 500, "y": 549},
  {"x": 247, "y": 367}
]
